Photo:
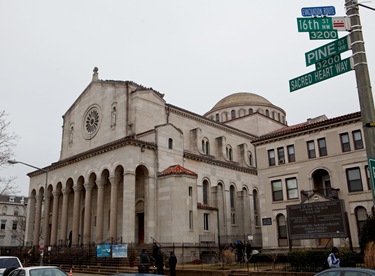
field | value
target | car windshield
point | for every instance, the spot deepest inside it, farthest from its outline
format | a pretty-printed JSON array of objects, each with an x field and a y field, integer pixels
[
  {"x": 47, "y": 272},
  {"x": 9, "y": 262}
]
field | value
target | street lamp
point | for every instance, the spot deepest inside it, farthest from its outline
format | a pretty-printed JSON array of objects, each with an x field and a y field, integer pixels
[{"x": 45, "y": 191}]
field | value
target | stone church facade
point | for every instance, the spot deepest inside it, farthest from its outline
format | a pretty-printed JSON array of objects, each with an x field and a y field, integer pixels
[{"x": 135, "y": 169}]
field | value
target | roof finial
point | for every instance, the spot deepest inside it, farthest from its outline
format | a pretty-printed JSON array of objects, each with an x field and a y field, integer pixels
[{"x": 95, "y": 76}]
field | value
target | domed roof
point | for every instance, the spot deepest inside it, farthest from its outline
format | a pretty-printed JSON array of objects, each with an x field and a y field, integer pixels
[{"x": 242, "y": 98}]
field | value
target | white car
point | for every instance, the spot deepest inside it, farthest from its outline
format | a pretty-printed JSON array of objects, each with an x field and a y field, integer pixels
[
  {"x": 8, "y": 263},
  {"x": 38, "y": 271}
]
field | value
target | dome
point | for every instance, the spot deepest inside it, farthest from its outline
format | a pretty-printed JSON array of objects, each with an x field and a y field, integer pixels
[{"x": 241, "y": 99}]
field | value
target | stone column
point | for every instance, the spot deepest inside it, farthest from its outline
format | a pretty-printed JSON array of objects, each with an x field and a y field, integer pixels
[
  {"x": 55, "y": 213},
  {"x": 47, "y": 203},
  {"x": 76, "y": 215},
  {"x": 30, "y": 220},
  {"x": 38, "y": 215},
  {"x": 64, "y": 215},
  {"x": 87, "y": 223},
  {"x": 113, "y": 213},
  {"x": 128, "y": 219},
  {"x": 99, "y": 212}
]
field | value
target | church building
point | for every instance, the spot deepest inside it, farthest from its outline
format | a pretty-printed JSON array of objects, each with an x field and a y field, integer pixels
[{"x": 136, "y": 169}]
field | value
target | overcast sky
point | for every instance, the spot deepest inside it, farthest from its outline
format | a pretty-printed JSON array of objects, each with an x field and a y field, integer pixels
[{"x": 195, "y": 52}]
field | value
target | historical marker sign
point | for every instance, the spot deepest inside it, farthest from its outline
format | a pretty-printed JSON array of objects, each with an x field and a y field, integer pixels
[
  {"x": 316, "y": 220},
  {"x": 314, "y": 24},
  {"x": 334, "y": 48},
  {"x": 322, "y": 74}
]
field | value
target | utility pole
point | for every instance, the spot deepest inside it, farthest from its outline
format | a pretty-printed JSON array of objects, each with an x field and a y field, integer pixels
[{"x": 362, "y": 75}]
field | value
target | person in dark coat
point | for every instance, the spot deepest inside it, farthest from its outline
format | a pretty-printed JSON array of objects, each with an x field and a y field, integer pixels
[
  {"x": 249, "y": 250},
  {"x": 172, "y": 260},
  {"x": 160, "y": 263},
  {"x": 155, "y": 251}
]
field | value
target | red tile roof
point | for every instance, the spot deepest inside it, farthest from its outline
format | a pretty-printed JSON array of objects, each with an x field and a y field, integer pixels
[
  {"x": 177, "y": 169},
  {"x": 206, "y": 206},
  {"x": 307, "y": 126}
]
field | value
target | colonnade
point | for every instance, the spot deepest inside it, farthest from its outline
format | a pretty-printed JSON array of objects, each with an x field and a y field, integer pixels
[{"x": 72, "y": 207}]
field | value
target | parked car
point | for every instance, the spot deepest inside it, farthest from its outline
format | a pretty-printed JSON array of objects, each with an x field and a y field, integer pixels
[
  {"x": 38, "y": 271},
  {"x": 136, "y": 274},
  {"x": 8, "y": 263},
  {"x": 347, "y": 271}
]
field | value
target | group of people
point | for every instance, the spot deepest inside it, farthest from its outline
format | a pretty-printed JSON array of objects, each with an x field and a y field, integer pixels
[
  {"x": 243, "y": 251},
  {"x": 157, "y": 260}
]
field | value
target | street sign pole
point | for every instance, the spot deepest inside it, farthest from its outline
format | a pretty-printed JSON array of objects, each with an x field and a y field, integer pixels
[{"x": 363, "y": 81}]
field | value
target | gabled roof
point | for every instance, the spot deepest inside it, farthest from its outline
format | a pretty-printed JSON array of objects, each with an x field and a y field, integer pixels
[{"x": 177, "y": 169}]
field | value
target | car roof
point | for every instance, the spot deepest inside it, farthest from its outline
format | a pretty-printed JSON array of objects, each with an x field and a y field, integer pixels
[
  {"x": 39, "y": 267},
  {"x": 357, "y": 269}
]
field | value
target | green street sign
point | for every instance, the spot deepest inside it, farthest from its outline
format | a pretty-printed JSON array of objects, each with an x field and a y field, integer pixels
[
  {"x": 314, "y": 24},
  {"x": 320, "y": 75},
  {"x": 371, "y": 163},
  {"x": 319, "y": 35},
  {"x": 334, "y": 48},
  {"x": 327, "y": 62}
]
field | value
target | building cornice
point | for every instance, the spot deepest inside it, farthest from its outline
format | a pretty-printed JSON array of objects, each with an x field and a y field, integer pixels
[{"x": 306, "y": 128}]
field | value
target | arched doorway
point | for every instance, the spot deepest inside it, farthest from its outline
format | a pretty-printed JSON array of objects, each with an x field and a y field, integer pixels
[
  {"x": 141, "y": 176},
  {"x": 322, "y": 182}
]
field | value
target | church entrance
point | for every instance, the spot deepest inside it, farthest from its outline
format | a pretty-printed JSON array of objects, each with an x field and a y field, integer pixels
[{"x": 141, "y": 228}]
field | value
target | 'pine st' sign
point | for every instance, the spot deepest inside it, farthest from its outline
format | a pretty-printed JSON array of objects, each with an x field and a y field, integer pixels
[{"x": 334, "y": 48}]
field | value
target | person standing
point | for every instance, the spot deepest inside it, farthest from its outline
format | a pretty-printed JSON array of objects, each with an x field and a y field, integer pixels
[
  {"x": 144, "y": 262},
  {"x": 144, "y": 258},
  {"x": 172, "y": 260},
  {"x": 155, "y": 251},
  {"x": 160, "y": 263},
  {"x": 333, "y": 258},
  {"x": 249, "y": 250}
]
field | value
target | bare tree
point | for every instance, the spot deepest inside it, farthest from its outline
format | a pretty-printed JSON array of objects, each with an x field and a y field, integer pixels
[{"x": 7, "y": 143}]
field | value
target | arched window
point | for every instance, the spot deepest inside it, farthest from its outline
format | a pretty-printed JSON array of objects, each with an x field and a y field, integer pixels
[
  {"x": 170, "y": 143},
  {"x": 205, "y": 146},
  {"x": 267, "y": 113},
  {"x": 205, "y": 191},
  {"x": 224, "y": 116},
  {"x": 229, "y": 153},
  {"x": 233, "y": 114},
  {"x": 251, "y": 111},
  {"x": 15, "y": 211},
  {"x": 281, "y": 230},
  {"x": 217, "y": 117},
  {"x": 361, "y": 217},
  {"x": 232, "y": 192},
  {"x": 256, "y": 207},
  {"x": 250, "y": 158}
]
